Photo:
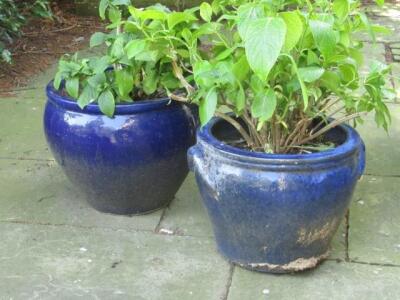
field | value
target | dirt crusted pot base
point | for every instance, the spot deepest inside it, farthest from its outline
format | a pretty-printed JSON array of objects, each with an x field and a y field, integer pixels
[{"x": 298, "y": 265}]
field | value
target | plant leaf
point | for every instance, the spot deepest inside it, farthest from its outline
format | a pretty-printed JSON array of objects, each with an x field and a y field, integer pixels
[
  {"x": 102, "y": 8},
  {"x": 57, "y": 80},
  {"x": 100, "y": 64},
  {"x": 324, "y": 37},
  {"x": 331, "y": 80},
  {"x": 152, "y": 14},
  {"x": 150, "y": 82},
  {"x": 310, "y": 74},
  {"x": 97, "y": 39},
  {"x": 206, "y": 11},
  {"x": 264, "y": 39},
  {"x": 72, "y": 87},
  {"x": 240, "y": 99},
  {"x": 312, "y": 58},
  {"x": 294, "y": 25},
  {"x": 124, "y": 80},
  {"x": 264, "y": 104},
  {"x": 148, "y": 55},
  {"x": 107, "y": 103},
  {"x": 178, "y": 17},
  {"x": 117, "y": 49},
  {"x": 304, "y": 91},
  {"x": 208, "y": 106},
  {"x": 135, "y": 47},
  {"x": 341, "y": 8},
  {"x": 224, "y": 54},
  {"x": 246, "y": 13},
  {"x": 204, "y": 74},
  {"x": 241, "y": 68},
  {"x": 121, "y": 2},
  {"x": 114, "y": 14},
  {"x": 97, "y": 80},
  {"x": 88, "y": 95}
]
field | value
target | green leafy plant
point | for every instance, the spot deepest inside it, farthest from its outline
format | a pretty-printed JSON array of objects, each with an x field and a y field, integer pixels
[
  {"x": 13, "y": 15},
  {"x": 146, "y": 57},
  {"x": 285, "y": 69}
]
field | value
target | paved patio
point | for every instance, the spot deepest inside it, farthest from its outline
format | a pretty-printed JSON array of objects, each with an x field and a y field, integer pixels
[{"x": 54, "y": 246}]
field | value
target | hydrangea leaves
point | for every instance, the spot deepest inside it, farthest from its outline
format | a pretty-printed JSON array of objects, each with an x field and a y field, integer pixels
[{"x": 263, "y": 39}]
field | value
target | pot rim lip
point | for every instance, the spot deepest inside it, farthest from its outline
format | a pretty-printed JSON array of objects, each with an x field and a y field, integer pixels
[
  {"x": 69, "y": 103},
  {"x": 352, "y": 143}
]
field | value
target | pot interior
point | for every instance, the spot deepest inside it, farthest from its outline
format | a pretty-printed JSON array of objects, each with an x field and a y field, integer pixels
[{"x": 226, "y": 133}]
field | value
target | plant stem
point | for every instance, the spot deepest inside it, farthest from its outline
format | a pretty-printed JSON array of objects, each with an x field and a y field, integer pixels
[
  {"x": 178, "y": 73},
  {"x": 118, "y": 66},
  {"x": 332, "y": 125},
  {"x": 324, "y": 119},
  {"x": 178, "y": 98},
  {"x": 291, "y": 137},
  {"x": 252, "y": 128}
]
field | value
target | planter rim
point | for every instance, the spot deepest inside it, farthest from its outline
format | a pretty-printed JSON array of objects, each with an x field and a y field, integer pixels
[
  {"x": 71, "y": 104},
  {"x": 352, "y": 143}
]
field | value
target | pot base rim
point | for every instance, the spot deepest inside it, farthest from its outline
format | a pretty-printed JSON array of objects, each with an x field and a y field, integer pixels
[{"x": 140, "y": 213}]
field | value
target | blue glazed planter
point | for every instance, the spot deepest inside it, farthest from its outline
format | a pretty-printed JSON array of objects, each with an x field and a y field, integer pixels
[
  {"x": 270, "y": 212},
  {"x": 133, "y": 163}
]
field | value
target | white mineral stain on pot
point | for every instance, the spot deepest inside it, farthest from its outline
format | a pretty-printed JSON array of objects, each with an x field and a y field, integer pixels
[{"x": 307, "y": 237}]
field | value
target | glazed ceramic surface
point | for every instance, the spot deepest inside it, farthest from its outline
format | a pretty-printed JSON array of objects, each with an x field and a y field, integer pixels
[
  {"x": 132, "y": 163},
  {"x": 271, "y": 212}
]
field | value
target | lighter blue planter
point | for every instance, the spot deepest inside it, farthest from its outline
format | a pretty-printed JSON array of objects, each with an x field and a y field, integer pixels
[{"x": 275, "y": 213}]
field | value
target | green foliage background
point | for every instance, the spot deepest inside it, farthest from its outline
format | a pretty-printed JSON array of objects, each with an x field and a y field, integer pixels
[{"x": 13, "y": 14}]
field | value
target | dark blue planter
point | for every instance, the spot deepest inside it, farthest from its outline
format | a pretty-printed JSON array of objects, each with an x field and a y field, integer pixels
[
  {"x": 275, "y": 213},
  {"x": 132, "y": 163}
]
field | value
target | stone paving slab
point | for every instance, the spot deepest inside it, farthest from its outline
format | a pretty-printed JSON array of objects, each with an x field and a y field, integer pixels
[
  {"x": 377, "y": 51},
  {"x": 389, "y": 9},
  {"x": 21, "y": 129},
  {"x": 383, "y": 154},
  {"x": 331, "y": 280},
  {"x": 186, "y": 214},
  {"x": 38, "y": 192},
  {"x": 388, "y": 16},
  {"x": 372, "y": 51},
  {"x": 391, "y": 22},
  {"x": 47, "y": 262},
  {"x": 374, "y": 222}
]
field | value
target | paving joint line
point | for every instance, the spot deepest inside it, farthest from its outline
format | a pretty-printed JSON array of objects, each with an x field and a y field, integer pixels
[
  {"x": 346, "y": 235},
  {"x": 382, "y": 175},
  {"x": 132, "y": 230},
  {"x": 24, "y": 222},
  {"x": 158, "y": 226},
  {"x": 374, "y": 264},
  {"x": 353, "y": 261},
  {"x": 228, "y": 283},
  {"x": 29, "y": 159},
  {"x": 16, "y": 90}
]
